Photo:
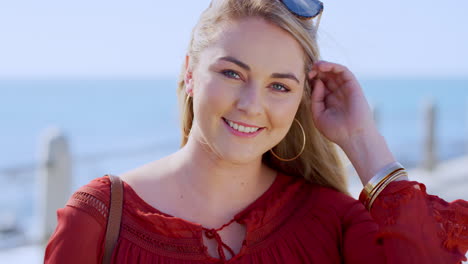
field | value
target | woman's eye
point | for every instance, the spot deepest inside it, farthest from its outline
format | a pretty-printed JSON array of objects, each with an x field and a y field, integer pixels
[
  {"x": 280, "y": 87},
  {"x": 230, "y": 74}
]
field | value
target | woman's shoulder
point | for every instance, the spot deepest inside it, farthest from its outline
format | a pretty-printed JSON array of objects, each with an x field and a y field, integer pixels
[
  {"x": 313, "y": 195},
  {"x": 93, "y": 198},
  {"x": 328, "y": 210},
  {"x": 330, "y": 196},
  {"x": 81, "y": 225},
  {"x": 327, "y": 200},
  {"x": 98, "y": 188}
]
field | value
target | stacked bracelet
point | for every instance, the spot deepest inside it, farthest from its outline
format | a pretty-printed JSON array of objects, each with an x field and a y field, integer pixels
[{"x": 381, "y": 179}]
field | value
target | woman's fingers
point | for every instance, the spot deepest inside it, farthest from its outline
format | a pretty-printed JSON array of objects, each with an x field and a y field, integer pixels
[
  {"x": 312, "y": 74},
  {"x": 326, "y": 66},
  {"x": 327, "y": 70},
  {"x": 318, "y": 98}
]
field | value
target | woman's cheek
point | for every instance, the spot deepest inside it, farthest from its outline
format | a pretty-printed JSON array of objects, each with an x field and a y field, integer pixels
[
  {"x": 284, "y": 111},
  {"x": 222, "y": 91}
]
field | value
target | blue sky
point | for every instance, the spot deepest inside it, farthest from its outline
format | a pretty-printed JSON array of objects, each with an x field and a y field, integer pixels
[{"x": 147, "y": 39}]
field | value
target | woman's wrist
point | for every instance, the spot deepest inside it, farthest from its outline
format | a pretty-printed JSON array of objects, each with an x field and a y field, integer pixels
[{"x": 368, "y": 152}]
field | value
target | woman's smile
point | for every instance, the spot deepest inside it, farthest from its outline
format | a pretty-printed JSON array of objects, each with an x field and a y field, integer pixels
[{"x": 242, "y": 129}]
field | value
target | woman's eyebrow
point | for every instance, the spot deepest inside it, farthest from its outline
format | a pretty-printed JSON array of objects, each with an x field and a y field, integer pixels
[
  {"x": 247, "y": 68},
  {"x": 235, "y": 61},
  {"x": 285, "y": 76}
]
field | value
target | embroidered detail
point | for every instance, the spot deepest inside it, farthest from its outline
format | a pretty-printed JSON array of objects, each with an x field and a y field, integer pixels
[
  {"x": 161, "y": 243},
  {"x": 90, "y": 200},
  {"x": 90, "y": 204},
  {"x": 453, "y": 221},
  {"x": 392, "y": 202}
]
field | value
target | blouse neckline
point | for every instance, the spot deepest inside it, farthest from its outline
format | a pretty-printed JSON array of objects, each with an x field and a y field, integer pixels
[
  {"x": 261, "y": 218},
  {"x": 149, "y": 209}
]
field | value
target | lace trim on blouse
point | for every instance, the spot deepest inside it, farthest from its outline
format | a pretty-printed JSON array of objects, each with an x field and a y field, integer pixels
[
  {"x": 162, "y": 245},
  {"x": 453, "y": 220},
  {"x": 450, "y": 218},
  {"x": 89, "y": 200}
]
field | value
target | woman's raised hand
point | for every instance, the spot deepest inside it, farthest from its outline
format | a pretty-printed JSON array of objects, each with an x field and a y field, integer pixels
[
  {"x": 341, "y": 113},
  {"x": 339, "y": 109}
]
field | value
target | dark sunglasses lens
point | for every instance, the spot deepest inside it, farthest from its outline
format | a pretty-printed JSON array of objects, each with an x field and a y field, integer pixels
[{"x": 304, "y": 8}]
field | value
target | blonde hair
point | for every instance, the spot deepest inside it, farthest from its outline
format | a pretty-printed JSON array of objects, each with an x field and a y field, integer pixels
[{"x": 319, "y": 163}]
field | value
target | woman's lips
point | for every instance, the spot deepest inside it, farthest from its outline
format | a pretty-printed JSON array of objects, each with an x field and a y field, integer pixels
[
  {"x": 239, "y": 133},
  {"x": 240, "y": 123}
]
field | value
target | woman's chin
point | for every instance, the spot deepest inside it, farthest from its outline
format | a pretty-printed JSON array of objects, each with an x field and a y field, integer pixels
[{"x": 239, "y": 157}]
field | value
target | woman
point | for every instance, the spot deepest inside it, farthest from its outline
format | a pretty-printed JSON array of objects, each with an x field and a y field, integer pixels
[{"x": 257, "y": 179}]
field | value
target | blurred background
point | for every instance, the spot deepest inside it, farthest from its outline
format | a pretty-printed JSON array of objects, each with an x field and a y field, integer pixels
[{"x": 88, "y": 88}]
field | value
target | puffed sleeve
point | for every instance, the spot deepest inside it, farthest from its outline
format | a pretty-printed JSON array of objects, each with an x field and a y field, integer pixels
[
  {"x": 79, "y": 235},
  {"x": 78, "y": 238},
  {"x": 406, "y": 225}
]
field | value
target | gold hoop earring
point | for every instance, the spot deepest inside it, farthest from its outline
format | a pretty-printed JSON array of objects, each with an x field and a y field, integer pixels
[
  {"x": 302, "y": 149},
  {"x": 186, "y": 135}
]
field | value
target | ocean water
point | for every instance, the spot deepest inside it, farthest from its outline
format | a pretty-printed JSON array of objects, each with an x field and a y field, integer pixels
[
  {"x": 113, "y": 126},
  {"x": 400, "y": 110},
  {"x": 95, "y": 115}
]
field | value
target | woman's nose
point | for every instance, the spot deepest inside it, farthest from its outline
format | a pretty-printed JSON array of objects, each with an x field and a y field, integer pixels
[{"x": 250, "y": 100}]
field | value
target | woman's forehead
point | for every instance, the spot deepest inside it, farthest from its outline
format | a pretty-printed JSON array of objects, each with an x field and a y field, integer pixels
[{"x": 258, "y": 44}]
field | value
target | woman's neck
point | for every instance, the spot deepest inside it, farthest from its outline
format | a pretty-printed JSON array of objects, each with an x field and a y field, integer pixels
[{"x": 218, "y": 183}]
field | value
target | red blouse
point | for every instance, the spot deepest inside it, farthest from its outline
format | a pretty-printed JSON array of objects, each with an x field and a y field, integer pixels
[{"x": 294, "y": 221}]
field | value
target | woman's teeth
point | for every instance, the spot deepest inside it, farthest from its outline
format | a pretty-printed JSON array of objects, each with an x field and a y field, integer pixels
[{"x": 242, "y": 128}]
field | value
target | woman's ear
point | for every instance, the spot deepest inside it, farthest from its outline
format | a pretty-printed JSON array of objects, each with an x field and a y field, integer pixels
[{"x": 188, "y": 78}]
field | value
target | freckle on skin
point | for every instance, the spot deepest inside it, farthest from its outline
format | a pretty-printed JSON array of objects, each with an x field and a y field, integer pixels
[{"x": 181, "y": 196}]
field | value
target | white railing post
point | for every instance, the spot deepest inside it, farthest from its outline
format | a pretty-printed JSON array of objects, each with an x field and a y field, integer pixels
[
  {"x": 54, "y": 179},
  {"x": 429, "y": 142}
]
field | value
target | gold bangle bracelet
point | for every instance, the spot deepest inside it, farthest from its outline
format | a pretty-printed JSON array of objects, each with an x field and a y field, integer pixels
[
  {"x": 382, "y": 185},
  {"x": 380, "y": 175},
  {"x": 371, "y": 199},
  {"x": 382, "y": 181},
  {"x": 395, "y": 176}
]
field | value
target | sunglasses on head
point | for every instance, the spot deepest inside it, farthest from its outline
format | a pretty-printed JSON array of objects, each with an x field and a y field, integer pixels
[{"x": 304, "y": 9}]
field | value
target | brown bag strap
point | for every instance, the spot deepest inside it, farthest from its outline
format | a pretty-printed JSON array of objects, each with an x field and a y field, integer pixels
[{"x": 115, "y": 217}]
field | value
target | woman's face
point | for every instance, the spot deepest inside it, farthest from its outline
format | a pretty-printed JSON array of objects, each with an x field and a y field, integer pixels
[{"x": 247, "y": 87}]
